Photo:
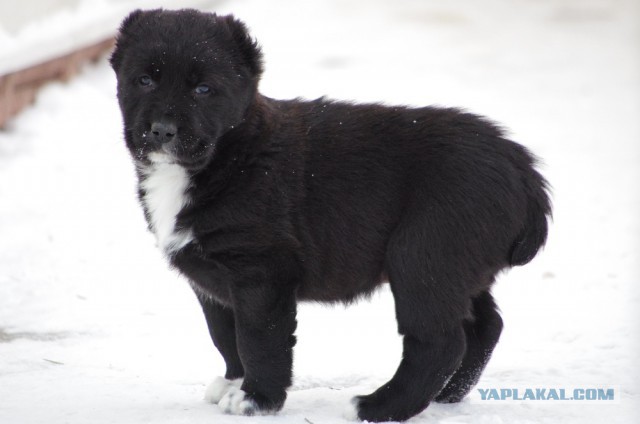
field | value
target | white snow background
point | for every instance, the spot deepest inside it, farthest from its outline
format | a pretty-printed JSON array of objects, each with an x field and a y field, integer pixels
[{"x": 94, "y": 327}]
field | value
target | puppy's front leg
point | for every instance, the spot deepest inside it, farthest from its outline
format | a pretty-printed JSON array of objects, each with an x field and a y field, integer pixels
[
  {"x": 222, "y": 328},
  {"x": 265, "y": 322}
]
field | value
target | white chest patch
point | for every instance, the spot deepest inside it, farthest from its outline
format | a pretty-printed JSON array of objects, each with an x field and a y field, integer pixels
[{"x": 165, "y": 185}]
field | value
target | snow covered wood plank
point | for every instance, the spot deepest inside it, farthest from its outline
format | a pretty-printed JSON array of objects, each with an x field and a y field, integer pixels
[
  {"x": 18, "y": 89},
  {"x": 41, "y": 43}
]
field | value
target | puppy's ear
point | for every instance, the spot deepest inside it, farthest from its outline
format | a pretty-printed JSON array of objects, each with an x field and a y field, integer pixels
[
  {"x": 246, "y": 45},
  {"x": 126, "y": 27},
  {"x": 130, "y": 20}
]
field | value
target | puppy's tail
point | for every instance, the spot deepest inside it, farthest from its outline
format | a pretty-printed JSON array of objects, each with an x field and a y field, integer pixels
[{"x": 534, "y": 234}]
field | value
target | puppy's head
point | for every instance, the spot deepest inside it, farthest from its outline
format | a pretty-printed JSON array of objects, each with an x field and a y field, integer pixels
[{"x": 184, "y": 79}]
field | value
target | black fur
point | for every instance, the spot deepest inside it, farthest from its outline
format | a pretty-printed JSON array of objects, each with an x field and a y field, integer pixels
[{"x": 323, "y": 200}]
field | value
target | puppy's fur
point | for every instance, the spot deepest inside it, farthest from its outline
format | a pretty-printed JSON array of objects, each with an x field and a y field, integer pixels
[{"x": 262, "y": 203}]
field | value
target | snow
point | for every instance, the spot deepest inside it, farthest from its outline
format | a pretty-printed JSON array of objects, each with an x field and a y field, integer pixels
[{"x": 95, "y": 328}]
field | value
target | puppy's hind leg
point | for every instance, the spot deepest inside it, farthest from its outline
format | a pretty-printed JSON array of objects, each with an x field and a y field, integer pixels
[
  {"x": 482, "y": 334},
  {"x": 430, "y": 312}
]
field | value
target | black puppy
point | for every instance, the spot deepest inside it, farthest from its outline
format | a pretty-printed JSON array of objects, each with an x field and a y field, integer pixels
[{"x": 262, "y": 203}]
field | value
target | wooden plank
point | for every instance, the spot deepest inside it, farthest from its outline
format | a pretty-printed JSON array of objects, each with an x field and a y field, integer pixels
[{"x": 18, "y": 89}]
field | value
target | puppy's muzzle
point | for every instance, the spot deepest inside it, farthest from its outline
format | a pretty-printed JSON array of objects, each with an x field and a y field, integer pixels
[{"x": 163, "y": 132}]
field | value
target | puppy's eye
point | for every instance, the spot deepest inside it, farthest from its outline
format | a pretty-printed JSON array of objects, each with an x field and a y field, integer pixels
[
  {"x": 203, "y": 89},
  {"x": 145, "y": 80}
]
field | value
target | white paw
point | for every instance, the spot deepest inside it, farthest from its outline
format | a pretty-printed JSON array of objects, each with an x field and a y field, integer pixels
[
  {"x": 219, "y": 387},
  {"x": 350, "y": 413},
  {"x": 235, "y": 402}
]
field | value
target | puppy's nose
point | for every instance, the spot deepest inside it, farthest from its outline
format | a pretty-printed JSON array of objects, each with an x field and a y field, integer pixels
[{"x": 163, "y": 131}]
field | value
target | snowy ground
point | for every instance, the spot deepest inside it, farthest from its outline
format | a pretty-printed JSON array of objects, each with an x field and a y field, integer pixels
[{"x": 95, "y": 328}]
